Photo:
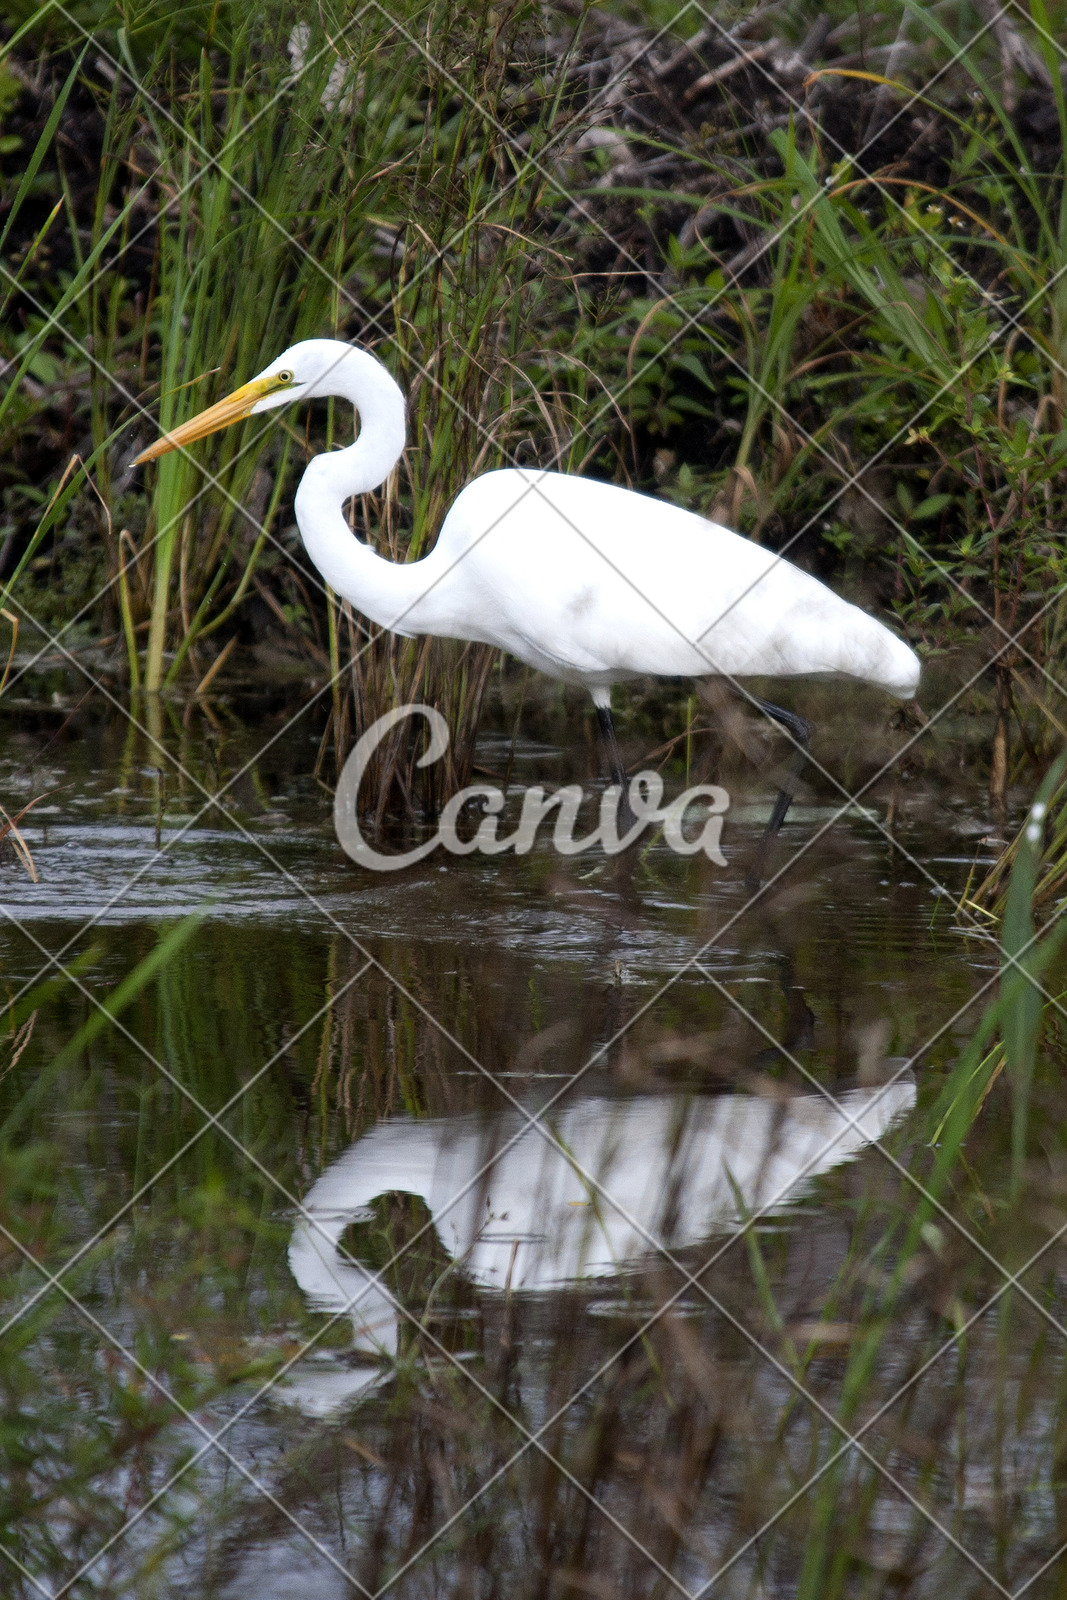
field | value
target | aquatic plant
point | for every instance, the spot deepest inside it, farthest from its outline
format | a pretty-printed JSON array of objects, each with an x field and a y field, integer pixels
[{"x": 844, "y": 332}]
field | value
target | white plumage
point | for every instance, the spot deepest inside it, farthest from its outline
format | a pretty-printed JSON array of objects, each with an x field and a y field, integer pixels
[
  {"x": 595, "y": 584},
  {"x": 583, "y": 580}
]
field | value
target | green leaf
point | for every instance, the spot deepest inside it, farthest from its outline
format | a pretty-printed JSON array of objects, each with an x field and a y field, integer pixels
[
  {"x": 931, "y": 506},
  {"x": 1020, "y": 994},
  {"x": 690, "y": 363},
  {"x": 47, "y": 135},
  {"x": 106, "y": 1009}
]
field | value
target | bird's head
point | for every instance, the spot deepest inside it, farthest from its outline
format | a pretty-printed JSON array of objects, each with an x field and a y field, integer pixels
[{"x": 303, "y": 371}]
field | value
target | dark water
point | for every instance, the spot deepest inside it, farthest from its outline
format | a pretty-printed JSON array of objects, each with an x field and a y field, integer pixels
[{"x": 503, "y": 1227}]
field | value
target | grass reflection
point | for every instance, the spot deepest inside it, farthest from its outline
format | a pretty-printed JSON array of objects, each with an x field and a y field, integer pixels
[{"x": 684, "y": 1414}]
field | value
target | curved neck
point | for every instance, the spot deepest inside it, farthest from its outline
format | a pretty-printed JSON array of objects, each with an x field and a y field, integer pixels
[{"x": 386, "y": 591}]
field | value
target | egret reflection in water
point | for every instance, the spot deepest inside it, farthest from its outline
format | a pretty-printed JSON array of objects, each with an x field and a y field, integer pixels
[{"x": 513, "y": 1207}]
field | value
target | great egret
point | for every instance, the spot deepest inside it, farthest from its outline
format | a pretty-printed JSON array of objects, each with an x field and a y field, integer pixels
[{"x": 588, "y": 582}]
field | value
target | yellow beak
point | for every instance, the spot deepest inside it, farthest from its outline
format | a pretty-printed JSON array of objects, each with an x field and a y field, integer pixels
[{"x": 223, "y": 414}]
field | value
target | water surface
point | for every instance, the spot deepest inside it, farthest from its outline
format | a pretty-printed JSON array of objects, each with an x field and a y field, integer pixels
[{"x": 510, "y": 1227}]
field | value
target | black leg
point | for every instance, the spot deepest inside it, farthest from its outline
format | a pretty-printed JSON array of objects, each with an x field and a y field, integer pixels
[
  {"x": 801, "y": 733},
  {"x": 615, "y": 767},
  {"x": 611, "y": 745}
]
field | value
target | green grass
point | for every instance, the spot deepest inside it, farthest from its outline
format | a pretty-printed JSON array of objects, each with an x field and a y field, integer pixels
[{"x": 538, "y": 303}]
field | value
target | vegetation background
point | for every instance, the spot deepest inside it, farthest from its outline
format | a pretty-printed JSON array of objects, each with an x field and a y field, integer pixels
[{"x": 798, "y": 267}]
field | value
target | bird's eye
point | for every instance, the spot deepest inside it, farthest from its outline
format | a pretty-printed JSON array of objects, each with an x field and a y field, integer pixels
[{"x": 285, "y": 377}]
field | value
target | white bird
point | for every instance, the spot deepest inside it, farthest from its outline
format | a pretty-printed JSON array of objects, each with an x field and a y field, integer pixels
[
  {"x": 585, "y": 581},
  {"x": 514, "y": 1206}
]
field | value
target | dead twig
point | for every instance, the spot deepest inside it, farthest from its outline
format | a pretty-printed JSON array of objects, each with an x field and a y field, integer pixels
[
  {"x": 747, "y": 58},
  {"x": 10, "y": 826},
  {"x": 9, "y": 616},
  {"x": 21, "y": 1040},
  {"x": 215, "y": 668}
]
